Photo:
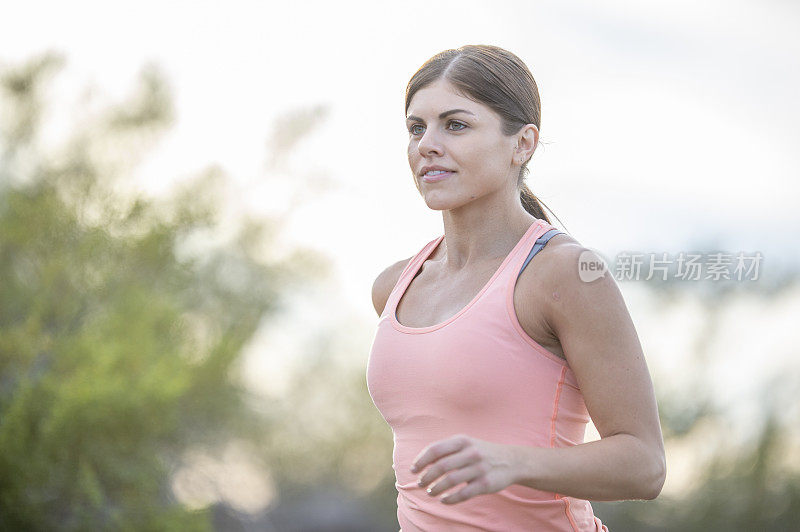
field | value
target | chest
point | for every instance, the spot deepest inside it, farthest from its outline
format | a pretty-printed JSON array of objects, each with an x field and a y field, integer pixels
[{"x": 432, "y": 298}]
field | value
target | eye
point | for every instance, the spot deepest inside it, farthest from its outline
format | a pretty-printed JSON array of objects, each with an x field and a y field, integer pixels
[{"x": 414, "y": 131}]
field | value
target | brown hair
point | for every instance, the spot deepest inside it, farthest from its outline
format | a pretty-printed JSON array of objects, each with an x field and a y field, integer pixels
[{"x": 497, "y": 78}]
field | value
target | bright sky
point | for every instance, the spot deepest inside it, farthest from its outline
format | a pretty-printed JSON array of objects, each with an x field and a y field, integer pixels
[{"x": 667, "y": 124}]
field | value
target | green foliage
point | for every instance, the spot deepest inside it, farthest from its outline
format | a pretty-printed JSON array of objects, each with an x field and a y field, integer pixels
[{"x": 116, "y": 350}]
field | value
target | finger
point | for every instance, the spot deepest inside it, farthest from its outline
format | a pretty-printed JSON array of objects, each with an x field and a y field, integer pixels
[
  {"x": 478, "y": 486},
  {"x": 456, "y": 460},
  {"x": 453, "y": 478},
  {"x": 437, "y": 450}
]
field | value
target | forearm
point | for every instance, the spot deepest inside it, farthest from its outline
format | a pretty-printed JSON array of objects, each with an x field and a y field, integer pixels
[{"x": 614, "y": 468}]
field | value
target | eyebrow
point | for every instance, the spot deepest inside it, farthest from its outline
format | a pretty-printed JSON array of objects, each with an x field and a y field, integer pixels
[{"x": 442, "y": 115}]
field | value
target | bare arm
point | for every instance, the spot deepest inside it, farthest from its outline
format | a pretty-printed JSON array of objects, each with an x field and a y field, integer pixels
[{"x": 602, "y": 348}]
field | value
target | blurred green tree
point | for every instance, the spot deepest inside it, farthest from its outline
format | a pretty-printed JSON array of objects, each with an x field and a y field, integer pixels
[{"x": 118, "y": 340}]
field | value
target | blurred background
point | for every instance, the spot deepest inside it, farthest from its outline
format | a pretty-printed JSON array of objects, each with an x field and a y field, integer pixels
[{"x": 196, "y": 197}]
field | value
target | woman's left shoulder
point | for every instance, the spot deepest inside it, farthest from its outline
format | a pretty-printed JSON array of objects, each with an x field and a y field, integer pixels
[
  {"x": 562, "y": 240},
  {"x": 569, "y": 264},
  {"x": 560, "y": 250}
]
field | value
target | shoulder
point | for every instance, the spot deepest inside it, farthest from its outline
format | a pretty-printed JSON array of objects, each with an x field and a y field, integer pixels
[
  {"x": 385, "y": 282},
  {"x": 566, "y": 283},
  {"x": 557, "y": 256},
  {"x": 561, "y": 255},
  {"x": 581, "y": 291}
]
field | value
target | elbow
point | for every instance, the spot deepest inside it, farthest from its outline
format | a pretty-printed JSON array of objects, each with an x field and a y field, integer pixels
[{"x": 656, "y": 479}]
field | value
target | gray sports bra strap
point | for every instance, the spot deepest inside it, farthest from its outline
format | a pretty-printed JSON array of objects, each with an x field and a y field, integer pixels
[{"x": 540, "y": 243}]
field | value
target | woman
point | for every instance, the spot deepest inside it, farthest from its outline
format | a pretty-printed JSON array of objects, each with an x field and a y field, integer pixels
[{"x": 492, "y": 351}]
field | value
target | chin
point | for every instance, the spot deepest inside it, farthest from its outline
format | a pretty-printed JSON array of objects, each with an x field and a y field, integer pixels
[{"x": 441, "y": 204}]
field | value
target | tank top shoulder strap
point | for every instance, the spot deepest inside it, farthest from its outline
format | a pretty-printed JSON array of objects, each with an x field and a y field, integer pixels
[
  {"x": 420, "y": 255},
  {"x": 536, "y": 242},
  {"x": 411, "y": 269}
]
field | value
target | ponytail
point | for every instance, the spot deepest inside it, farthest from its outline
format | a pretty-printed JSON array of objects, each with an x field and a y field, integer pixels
[{"x": 531, "y": 203}]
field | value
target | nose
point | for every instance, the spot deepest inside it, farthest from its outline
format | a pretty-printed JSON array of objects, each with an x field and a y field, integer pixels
[{"x": 429, "y": 143}]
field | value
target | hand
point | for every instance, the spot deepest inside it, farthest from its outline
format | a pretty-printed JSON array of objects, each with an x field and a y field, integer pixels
[{"x": 486, "y": 467}]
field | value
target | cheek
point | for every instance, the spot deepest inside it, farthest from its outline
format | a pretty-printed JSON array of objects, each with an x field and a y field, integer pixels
[
  {"x": 485, "y": 163},
  {"x": 481, "y": 152},
  {"x": 413, "y": 152}
]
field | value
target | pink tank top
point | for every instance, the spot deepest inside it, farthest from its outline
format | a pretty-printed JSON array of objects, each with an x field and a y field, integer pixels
[{"x": 480, "y": 374}]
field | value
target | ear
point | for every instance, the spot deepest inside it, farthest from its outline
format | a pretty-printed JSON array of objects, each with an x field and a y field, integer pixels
[{"x": 527, "y": 142}]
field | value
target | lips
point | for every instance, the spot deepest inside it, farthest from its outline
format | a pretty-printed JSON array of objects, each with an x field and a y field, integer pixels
[
  {"x": 433, "y": 167},
  {"x": 437, "y": 177}
]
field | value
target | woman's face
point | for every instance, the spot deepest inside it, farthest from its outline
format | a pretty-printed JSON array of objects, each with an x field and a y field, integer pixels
[{"x": 468, "y": 143}]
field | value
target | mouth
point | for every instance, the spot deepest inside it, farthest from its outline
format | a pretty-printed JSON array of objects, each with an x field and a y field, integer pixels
[{"x": 436, "y": 176}]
